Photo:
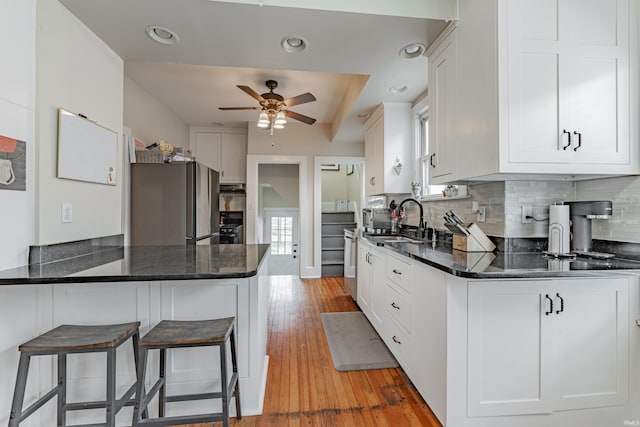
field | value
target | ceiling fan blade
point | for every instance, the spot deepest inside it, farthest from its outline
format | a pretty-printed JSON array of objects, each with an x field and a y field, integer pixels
[
  {"x": 299, "y": 117},
  {"x": 252, "y": 93},
  {"x": 300, "y": 99},
  {"x": 239, "y": 108}
]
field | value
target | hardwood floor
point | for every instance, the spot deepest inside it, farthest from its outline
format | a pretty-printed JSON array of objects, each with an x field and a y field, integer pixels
[{"x": 303, "y": 387}]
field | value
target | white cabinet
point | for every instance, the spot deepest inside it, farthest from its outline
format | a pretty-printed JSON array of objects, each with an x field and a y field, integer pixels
[
  {"x": 370, "y": 282},
  {"x": 387, "y": 143},
  {"x": 442, "y": 104},
  {"x": 531, "y": 75},
  {"x": 568, "y": 81},
  {"x": 222, "y": 150},
  {"x": 542, "y": 346}
]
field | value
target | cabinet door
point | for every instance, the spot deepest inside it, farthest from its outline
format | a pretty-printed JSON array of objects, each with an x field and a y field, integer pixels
[
  {"x": 364, "y": 278},
  {"x": 568, "y": 82},
  {"x": 442, "y": 95},
  {"x": 207, "y": 149},
  {"x": 597, "y": 87},
  {"x": 509, "y": 341},
  {"x": 377, "y": 261},
  {"x": 234, "y": 158},
  {"x": 591, "y": 343},
  {"x": 373, "y": 154},
  {"x": 534, "y": 80}
]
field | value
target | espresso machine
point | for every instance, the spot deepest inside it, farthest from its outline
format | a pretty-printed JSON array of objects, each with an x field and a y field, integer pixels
[{"x": 581, "y": 215}]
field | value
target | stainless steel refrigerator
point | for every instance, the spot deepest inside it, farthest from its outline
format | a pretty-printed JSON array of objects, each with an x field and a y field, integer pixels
[{"x": 174, "y": 204}]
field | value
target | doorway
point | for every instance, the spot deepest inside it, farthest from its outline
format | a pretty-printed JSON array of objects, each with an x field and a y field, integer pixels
[{"x": 281, "y": 232}]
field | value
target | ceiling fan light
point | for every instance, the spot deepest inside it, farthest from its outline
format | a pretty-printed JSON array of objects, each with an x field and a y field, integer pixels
[
  {"x": 263, "y": 120},
  {"x": 281, "y": 120}
]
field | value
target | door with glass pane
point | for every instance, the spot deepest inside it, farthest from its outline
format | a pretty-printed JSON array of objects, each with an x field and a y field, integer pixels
[{"x": 281, "y": 232}]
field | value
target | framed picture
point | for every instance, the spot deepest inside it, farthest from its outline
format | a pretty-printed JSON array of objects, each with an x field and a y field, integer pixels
[
  {"x": 349, "y": 169},
  {"x": 330, "y": 167}
]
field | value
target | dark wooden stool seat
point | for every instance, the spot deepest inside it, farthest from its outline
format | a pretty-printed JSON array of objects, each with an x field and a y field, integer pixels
[
  {"x": 170, "y": 334},
  {"x": 70, "y": 339}
]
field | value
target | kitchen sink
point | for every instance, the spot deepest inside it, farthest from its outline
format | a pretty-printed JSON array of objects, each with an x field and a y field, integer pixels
[{"x": 397, "y": 239}]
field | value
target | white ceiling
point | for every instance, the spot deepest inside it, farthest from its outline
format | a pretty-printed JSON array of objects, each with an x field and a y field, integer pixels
[{"x": 227, "y": 44}]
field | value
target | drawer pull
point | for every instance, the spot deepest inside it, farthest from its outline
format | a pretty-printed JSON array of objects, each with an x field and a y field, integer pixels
[
  {"x": 393, "y": 304},
  {"x": 396, "y": 340},
  {"x": 398, "y": 272}
]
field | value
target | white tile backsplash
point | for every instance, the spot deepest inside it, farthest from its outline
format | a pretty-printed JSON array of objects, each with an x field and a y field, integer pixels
[{"x": 624, "y": 192}]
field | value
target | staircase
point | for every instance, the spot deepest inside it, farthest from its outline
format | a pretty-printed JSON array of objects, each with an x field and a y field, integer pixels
[{"x": 333, "y": 225}]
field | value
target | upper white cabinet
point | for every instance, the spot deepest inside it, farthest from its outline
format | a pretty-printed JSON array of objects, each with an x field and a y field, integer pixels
[
  {"x": 543, "y": 346},
  {"x": 542, "y": 87},
  {"x": 442, "y": 104},
  {"x": 222, "y": 150},
  {"x": 387, "y": 143},
  {"x": 568, "y": 81}
]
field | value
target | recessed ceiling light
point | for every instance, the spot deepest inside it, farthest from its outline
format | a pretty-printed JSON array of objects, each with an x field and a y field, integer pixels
[
  {"x": 161, "y": 34},
  {"x": 399, "y": 88},
  {"x": 294, "y": 44},
  {"x": 412, "y": 50}
]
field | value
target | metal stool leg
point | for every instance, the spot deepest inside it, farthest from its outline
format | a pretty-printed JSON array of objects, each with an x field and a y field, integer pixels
[
  {"x": 163, "y": 391},
  {"x": 225, "y": 384},
  {"x": 62, "y": 390},
  {"x": 141, "y": 369},
  {"x": 18, "y": 394},
  {"x": 234, "y": 362},
  {"x": 135, "y": 338},
  {"x": 111, "y": 388}
]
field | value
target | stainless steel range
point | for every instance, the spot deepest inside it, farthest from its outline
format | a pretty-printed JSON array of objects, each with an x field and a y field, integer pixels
[{"x": 231, "y": 227}]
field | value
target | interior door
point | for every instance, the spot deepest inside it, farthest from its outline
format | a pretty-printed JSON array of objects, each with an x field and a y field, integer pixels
[{"x": 281, "y": 232}]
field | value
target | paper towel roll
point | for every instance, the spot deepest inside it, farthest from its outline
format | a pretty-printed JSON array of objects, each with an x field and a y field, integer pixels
[{"x": 559, "y": 229}]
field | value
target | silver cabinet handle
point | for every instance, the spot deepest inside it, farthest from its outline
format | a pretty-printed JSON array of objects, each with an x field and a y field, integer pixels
[
  {"x": 396, "y": 340},
  {"x": 398, "y": 272},
  {"x": 393, "y": 304}
]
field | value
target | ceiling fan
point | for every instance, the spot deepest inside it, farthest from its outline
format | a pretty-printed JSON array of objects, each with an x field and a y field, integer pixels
[{"x": 274, "y": 107}]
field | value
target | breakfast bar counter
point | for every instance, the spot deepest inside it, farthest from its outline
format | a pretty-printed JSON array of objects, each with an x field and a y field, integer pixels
[{"x": 145, "y": 284}]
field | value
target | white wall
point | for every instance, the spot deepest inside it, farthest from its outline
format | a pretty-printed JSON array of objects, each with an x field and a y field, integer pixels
[
  {"x": 334, "y": 185},
  {"x": 17, "y": 112},
  {"x": 283, "y": 182},
  {"x": 77, "y": 71},
  {"x": 149, "y": 120}
]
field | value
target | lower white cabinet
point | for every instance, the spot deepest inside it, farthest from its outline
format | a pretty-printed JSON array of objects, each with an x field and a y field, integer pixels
[
  {"x": 370, "y": 282},
  {"x": 550, "y": 352},
  {"x": 543, "y": 346}
]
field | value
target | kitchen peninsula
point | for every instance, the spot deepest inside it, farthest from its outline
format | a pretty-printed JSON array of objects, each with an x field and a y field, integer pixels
[{"x": 140, "y": 283}]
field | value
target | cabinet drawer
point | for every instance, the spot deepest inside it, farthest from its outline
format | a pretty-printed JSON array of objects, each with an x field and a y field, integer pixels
[
  {"x": 399, "y": 306},
  {"x": 397, "y": 341},
  {"x": 399, "y": 272}
]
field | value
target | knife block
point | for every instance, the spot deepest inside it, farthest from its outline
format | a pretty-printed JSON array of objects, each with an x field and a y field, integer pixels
[{"x": 476, "y": 241}]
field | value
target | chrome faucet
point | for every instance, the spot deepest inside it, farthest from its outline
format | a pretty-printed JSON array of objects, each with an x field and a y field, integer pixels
[{"x": 421, "y": 225}]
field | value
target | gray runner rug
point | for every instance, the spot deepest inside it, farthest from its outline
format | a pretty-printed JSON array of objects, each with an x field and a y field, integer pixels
[{"x": 354, "y": 344}]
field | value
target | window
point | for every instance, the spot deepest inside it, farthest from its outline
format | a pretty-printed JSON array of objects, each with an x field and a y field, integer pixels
[{"x": 282, "y": 235}]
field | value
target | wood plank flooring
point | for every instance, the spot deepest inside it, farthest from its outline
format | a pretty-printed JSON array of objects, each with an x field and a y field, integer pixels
[{"x": 303, "y": 387}]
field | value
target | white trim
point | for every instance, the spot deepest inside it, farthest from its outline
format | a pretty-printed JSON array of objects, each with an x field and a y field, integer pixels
[
  {"x": 253, "y": 160},
  {"x": 317, "y": 202}
]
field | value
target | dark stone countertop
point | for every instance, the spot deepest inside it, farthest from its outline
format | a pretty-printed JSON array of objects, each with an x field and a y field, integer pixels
[
  {"x": 503, "y": 265},
  {"x": 145, "y": 263}
]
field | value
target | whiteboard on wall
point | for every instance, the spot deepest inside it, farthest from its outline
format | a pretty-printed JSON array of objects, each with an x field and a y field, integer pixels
[{"x": 86, "y": 150}]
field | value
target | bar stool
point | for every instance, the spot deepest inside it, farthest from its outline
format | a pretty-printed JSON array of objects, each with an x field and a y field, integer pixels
[
  {"x": 70, "y": 339},
  {"x": 180, "y": 334}
]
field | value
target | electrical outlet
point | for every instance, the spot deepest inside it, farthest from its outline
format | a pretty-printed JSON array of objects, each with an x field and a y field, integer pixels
[
  {"x": 482, "y": 214},
  {"x": 527, "y": 211},
  {"x": 67, "y": 212}
]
